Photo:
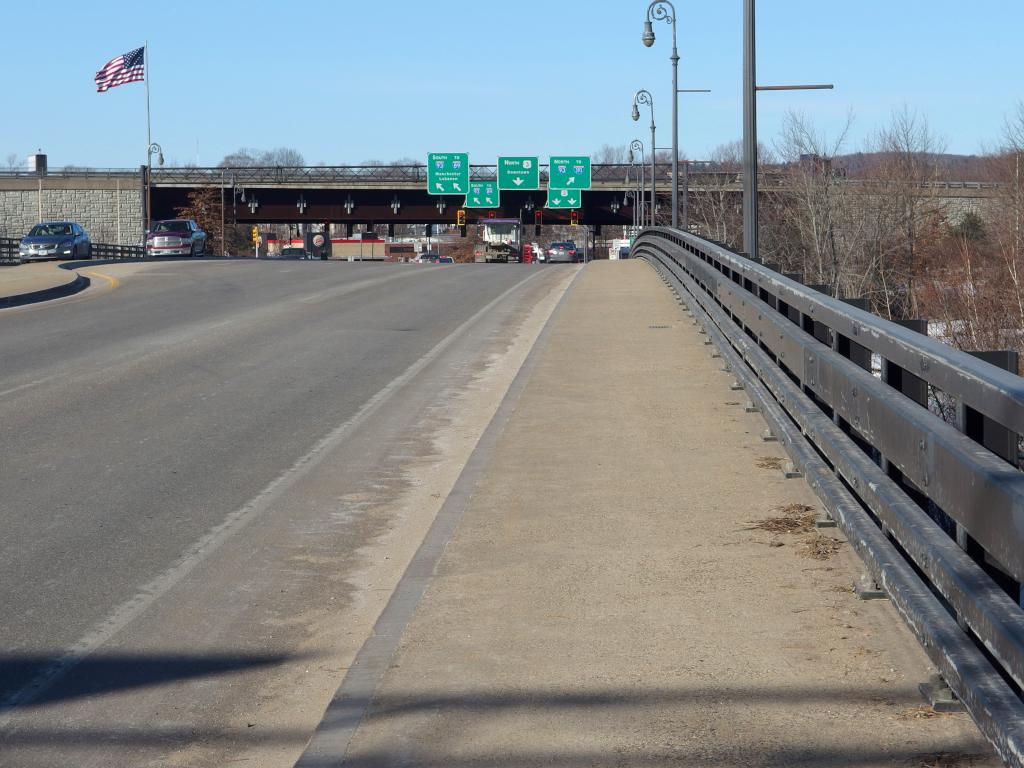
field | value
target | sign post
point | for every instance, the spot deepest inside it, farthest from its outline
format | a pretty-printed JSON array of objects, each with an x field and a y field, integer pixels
[
  {"x": 518, "y": 173},
  {"x": 447, "y": 173}
]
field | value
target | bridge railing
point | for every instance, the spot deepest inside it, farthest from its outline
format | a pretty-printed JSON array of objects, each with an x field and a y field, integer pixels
[
  {"x": 912, "y": 445},
  {"x": 616, "y": 172}
]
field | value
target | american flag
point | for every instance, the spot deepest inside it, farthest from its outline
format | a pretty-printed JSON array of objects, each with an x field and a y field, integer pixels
[{"x": 127, "y": 68}]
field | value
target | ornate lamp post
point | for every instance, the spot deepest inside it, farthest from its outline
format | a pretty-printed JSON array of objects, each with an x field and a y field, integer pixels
[
  {"x": 638, "y": 146},
  {"x": 643, "y": 96}
]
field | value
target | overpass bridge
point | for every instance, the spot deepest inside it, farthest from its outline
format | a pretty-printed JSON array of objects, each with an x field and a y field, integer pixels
[{"x": 110, "y": 203}]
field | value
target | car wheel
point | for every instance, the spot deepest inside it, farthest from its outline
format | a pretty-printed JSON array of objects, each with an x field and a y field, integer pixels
[
  {"x": 192, "y": 251},
  {"x": 88, "y": 251}
]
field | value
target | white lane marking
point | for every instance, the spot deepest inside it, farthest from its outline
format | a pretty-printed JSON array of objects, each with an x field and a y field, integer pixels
[
  {"x": 131, "y": 609},
  {"x": 20, "y": 387}
]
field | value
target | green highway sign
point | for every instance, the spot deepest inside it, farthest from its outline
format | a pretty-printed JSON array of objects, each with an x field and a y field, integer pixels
[
  {"x": 569, "y": 172},
  {"x": 482, "y": 194},
  {"x": 564, "y": 198},
  {"x": 447, "y": 173},
  {"x": 518, "y": 173}
]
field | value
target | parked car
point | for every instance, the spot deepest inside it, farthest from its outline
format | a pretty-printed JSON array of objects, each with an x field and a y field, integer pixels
[
  {"x": 564, "y": 252},
  {"x": 538, "y": 252},
  {"x": 428, "y": 258},
  {"x": 55, "y": 240},
  {"x": 446, "y": 260},
  {"x": 175, "y": 237},
  {"x": 290, "y": 252}
]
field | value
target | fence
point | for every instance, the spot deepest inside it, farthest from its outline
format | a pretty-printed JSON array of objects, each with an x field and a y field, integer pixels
[
  {"x": 9, "y": 251},
  {"x": 933, "y": 505}
]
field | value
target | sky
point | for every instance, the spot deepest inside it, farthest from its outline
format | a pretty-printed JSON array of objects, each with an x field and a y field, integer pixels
[{"x": 346, "y": 81}]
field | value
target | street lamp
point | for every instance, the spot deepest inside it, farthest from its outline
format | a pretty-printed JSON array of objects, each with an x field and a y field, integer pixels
[
  {"x": 154, "y": 149},
  {"x": 750, "y": 89},
  {"x": 662, "y": 10},
  {"x": 643, "y": 96},
  {"x": 638, "y": 146}
]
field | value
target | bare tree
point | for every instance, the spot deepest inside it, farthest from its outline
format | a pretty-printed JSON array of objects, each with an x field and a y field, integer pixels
[
  {"x": 905, "y": 216},
  {"x": 819, "y": 210},
  {"x": 248, "y": 158},
  {"x": 13, "y": 161},
  {"x": 715, "y": 204}
]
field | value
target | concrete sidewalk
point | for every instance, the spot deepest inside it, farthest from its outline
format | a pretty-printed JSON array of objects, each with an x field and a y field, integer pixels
[
  {"x": 37, "y": 279},
  {"x": 622, "y": 589}
]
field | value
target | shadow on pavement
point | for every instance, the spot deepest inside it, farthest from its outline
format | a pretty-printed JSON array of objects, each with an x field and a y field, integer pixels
[{"x": 105, "y": 673}]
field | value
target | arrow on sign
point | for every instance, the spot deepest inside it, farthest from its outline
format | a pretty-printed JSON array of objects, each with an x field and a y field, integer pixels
[
  {"x": 457, "y": 187},
  {"x": 571, "y": 180},
  {"x": 476, "y": 200},
  {"x": 517, "y": 181},
  {"x": 440, "y": 187},
  {"x": 572, "y": 201}
]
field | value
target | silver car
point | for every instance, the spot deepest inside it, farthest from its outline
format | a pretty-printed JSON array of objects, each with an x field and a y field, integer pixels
[{"x": 55, "y": 240}]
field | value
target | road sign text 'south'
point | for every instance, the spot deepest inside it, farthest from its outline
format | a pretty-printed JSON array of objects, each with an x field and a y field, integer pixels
[
  {"x": 518, "y": 173},
  {"x": 482, "y": 194},
  {"x": 569, "y": 172},
  {"x": 564, "y": 198},
  {"x": 447, "y": 173}
]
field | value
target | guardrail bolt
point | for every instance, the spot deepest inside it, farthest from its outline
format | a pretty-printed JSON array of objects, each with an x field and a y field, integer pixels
[
  {"x": 939, "y": 695},
  {"x": 866, "y": 588},
  {"x": 824, "y": 520}
]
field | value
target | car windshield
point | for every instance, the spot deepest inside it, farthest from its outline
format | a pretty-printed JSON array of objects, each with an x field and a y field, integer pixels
[
  {"x": 50, "y": 230},
  {"x": 170, "y": 226}
]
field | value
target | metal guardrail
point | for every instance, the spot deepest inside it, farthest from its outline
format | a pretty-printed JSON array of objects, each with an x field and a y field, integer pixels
[
  {"x": 934, "y": 508},
  {"x": 9, "y": 251}
]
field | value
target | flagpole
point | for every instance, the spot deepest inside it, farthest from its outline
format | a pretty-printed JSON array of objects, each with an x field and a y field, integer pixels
[{"x": 149, "y": 137}]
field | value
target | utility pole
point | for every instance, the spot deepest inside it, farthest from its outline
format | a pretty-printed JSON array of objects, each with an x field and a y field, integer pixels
[{"x": 750, "y": 89}]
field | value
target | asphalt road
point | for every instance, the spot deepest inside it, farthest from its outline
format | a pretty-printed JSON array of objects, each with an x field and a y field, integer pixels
[{"x": 172, "y": 450}]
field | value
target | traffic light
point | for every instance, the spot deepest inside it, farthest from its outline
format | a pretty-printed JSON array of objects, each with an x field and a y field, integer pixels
[
  {"x": 538, "y": 220},
  {"x": 574, "y": 218},
  {"x": 255, "y": 234},
  {"x": 460, "y": 218},
  {"x": 492, "y": 214}
]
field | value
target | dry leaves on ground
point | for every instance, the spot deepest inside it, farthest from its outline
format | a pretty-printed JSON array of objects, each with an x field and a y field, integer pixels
[
  {"x": 769, "y": 462},
  {"x": 794, "y": 518},
  {"x": 923, "y": 712},
  {"x": 818, "y": 547}
]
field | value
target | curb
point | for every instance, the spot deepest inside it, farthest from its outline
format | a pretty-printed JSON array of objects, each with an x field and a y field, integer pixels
[{"x": 79, "y": 284}]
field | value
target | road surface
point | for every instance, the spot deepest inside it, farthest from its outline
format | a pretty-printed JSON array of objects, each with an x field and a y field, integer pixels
[{"x": 206, "y": 467}]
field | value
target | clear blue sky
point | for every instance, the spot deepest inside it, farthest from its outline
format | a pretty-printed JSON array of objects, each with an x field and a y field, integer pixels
[{"x": 345, "y": 81}]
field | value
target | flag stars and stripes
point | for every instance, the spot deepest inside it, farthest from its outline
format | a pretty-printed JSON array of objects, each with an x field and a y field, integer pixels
[{"x": 127, "y": 68}]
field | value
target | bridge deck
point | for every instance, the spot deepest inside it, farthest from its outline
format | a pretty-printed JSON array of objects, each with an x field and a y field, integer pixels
[{"x": 609, "y": 597}]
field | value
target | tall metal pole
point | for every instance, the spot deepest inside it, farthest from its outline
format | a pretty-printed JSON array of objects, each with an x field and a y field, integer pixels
[
  {"x": 654, "y": 169},
  {"x": 675, "y": 129},
  {"x": 663, "y": 10},
  {"x": 149, "y": 138},
  {"x": 643, "y": 96},
  {"x": 750, "y": 244}
]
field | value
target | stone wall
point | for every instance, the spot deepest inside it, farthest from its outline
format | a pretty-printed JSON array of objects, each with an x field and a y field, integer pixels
[{"x": 110, "y": 209}]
